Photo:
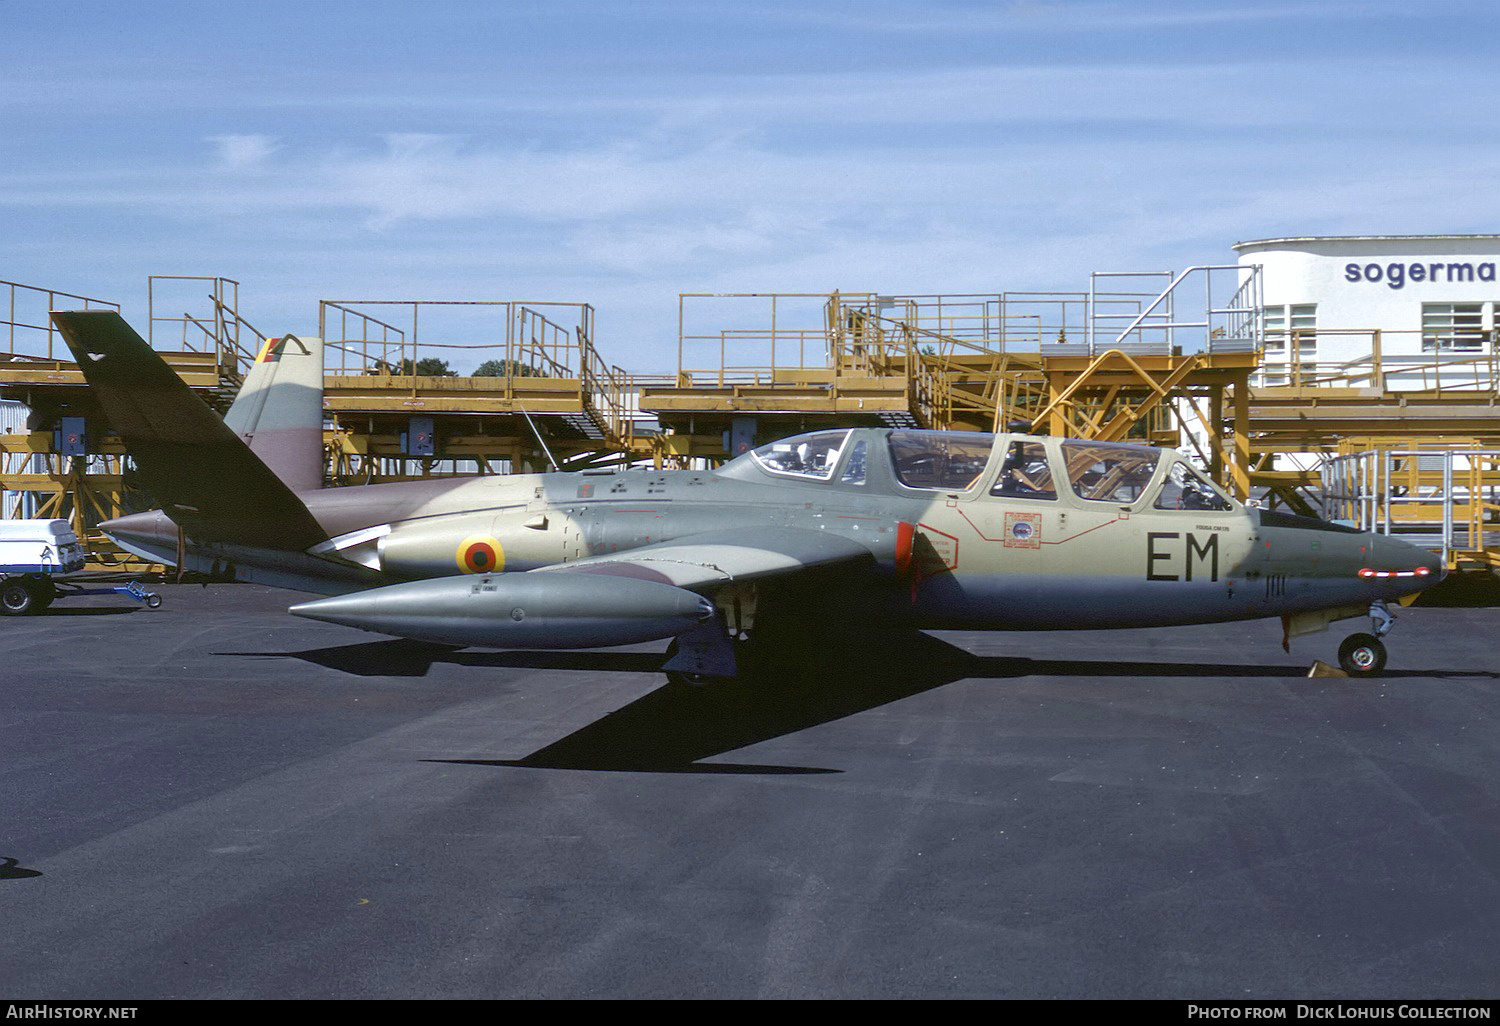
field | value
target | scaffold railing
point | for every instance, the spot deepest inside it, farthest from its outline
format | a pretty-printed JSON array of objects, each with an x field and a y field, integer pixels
[
  {"x": 950, "y": 354},
  {"x": 1158, "y": 312},
  {"x": 1444, "y": 499},
  {"x": 1391, "y": 361},
  {"x": 216, "y": 328},
  {"x": 728, "y": 339},
  {"x": 407, "y": 343},
  {"x": 508, "y": 338},
  {"x": 952, "y": 377},
  {"x": 29, "y": 333}
]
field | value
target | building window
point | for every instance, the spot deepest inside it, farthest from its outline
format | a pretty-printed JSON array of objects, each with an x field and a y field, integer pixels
[
  {"x": 1452, "y": 327},
  {"x": 1291, "y": 343}
]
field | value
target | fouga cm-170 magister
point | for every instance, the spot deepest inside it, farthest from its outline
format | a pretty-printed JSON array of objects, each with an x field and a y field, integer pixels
[{"x": 926, "y": 529}]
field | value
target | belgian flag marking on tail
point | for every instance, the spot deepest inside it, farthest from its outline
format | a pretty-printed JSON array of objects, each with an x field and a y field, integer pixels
[{"x": 270, "y": 352}]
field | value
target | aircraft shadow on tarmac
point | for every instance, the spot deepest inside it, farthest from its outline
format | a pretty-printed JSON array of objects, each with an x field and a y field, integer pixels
[
  {"x": 10, "y": 869},
  {"x": 673, "y": 727}
]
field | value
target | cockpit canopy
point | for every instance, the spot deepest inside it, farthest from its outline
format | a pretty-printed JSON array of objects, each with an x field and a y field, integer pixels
[
  {"x": 949, "y": 461},
  {"x": 1018, "y": 467},
  {"x": 809, "y": 456}
]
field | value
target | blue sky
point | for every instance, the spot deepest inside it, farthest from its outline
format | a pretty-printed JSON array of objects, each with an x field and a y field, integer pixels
[{"x": 619, "y": 153}]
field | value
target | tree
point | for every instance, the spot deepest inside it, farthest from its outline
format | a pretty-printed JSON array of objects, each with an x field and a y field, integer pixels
[
  {"x": 505, "y": 369},
  {"x": 428, "y": 367}
]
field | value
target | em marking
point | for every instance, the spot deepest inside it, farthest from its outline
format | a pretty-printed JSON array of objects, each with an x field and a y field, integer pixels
[{"x": 1163, "y": 549}]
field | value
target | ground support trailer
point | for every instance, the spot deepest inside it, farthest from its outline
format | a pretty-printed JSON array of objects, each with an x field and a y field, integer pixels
[{"x": 36, "y": 559}]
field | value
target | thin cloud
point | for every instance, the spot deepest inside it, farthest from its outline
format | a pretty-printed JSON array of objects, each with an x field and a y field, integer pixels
[
  {"x": 643, "y": 150},
  {"x": 243, "y": 152},
  {"x": 1055, "y": 16}
]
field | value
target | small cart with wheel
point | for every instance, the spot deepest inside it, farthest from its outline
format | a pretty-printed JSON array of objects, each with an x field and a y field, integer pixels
[{"x": 35, "y": 556}]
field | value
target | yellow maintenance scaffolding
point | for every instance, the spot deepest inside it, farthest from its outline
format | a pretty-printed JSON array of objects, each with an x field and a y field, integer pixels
[
  {"x": 420, "y": 388},
  {"x": 62, "y": 462},
  {"x": 412, "y": 388},
  {"x": 755, "y": 366},
  {"x": 1445, "y": 499}
]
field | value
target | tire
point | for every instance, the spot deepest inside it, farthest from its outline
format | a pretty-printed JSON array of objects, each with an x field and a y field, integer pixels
[
  {"x": 16, "y": 599},
  {"x": 1362, "y": 655},
  {"x": 153, "y": 601}
]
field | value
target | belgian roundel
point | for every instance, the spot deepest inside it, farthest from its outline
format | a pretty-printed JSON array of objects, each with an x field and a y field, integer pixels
[{"x": 480, "y": 554}]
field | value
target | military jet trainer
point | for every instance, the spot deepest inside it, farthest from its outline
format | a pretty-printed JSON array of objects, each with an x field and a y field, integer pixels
[{"x": 936, "y": 530}]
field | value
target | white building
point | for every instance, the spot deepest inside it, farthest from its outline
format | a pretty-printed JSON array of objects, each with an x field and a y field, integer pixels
[{"x": 1424, "y": 306}]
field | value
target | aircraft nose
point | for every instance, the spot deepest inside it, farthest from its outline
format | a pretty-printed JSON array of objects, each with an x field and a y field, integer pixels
[{"x": 1393, "y": 561}]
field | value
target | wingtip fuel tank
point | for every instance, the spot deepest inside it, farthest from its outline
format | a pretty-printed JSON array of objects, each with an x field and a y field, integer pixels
[{"x": 520, "y": 610}]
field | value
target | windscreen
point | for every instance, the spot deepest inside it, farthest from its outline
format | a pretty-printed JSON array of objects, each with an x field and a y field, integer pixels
[
  {"x": 809, "y": 456},
  {"x": 1186, "y": 488}
]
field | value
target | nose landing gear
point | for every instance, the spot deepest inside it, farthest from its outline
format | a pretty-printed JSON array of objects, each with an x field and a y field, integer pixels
[{"x": 1363, "y": 655}]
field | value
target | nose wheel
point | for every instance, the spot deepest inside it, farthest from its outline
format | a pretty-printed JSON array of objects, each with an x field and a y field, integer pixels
[{"x": 1362, "y": 655}]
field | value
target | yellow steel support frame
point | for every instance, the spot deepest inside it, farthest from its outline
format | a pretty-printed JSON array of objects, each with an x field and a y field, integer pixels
[
  {"x": 1114, "y": 393},
  {"x": 934, "y": 359},
  {"x": 1067, "y": 416}
]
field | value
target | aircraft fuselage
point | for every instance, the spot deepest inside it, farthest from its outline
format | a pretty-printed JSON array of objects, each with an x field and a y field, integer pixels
[{"x": 1105, "y": 542}]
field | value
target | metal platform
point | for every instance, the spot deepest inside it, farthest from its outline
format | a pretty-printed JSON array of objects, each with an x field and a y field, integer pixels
[
  {"x": 68, "y": 465},
  {"x": 496, "y": 387}
]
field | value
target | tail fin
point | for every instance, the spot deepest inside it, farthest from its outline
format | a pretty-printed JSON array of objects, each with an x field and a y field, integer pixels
[
  {"x": 279, "y": 411},
  {"x": 196, "y": 466}
]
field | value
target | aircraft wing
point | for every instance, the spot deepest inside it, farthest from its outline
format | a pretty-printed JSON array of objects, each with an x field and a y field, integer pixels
[
  {"x": 640, "y": 595},
  {"x": 702, "y": 562}
]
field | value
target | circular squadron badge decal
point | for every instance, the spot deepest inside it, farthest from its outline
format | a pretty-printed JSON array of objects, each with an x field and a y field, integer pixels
[
  {"x": 1023, "y": 531},
  {"x": 480, "y": 554}
]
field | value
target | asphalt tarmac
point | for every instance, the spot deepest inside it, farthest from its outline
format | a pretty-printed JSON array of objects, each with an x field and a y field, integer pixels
[{"x": 217, "y": 800}]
